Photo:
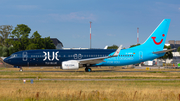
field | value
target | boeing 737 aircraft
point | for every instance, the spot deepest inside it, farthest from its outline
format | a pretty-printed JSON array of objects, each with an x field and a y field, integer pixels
[{"x": 74, "y": 59}]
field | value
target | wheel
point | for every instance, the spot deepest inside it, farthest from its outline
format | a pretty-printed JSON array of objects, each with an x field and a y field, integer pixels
[
  {"x": 88, "y": 69},
  {"x": 85, "y": 69},
  {"x": 20, "y": 69}
]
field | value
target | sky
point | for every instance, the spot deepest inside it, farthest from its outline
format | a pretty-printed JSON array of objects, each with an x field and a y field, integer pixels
[{"x": 114, "y": 22}]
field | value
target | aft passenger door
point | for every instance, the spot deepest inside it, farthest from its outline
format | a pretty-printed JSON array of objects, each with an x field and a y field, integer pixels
[{"x": 140, "y": 55}]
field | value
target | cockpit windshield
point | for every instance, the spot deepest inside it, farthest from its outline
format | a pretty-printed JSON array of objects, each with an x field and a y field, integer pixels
[{"x": 13, "y": 55}]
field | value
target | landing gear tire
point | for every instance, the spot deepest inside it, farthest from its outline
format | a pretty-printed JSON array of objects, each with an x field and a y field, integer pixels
[
  {"x": 88, "y": 69},
  {"x": 20, "y": 69}
]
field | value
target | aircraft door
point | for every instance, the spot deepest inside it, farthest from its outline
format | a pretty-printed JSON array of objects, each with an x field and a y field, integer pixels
[
  {"x": 25, "y": 56},
  {"x": 140, "y": 55}
]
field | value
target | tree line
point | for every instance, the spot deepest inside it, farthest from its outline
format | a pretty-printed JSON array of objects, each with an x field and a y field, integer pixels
[{"x": 19, "y": 39}]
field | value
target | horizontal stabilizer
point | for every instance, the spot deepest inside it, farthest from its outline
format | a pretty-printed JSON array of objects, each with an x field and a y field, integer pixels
[{"x": 164, "y": 51}]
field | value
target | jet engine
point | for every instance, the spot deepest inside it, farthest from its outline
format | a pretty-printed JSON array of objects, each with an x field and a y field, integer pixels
[{"x": 71, "y": 64}]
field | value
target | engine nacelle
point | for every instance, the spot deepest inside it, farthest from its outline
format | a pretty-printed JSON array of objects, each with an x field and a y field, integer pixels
[{"x": 72, "y": 64}]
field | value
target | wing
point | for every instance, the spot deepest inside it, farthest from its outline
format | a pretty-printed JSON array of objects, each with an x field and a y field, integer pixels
[
  {"x": 164, "y": 51},
  {"x": 99, "y": 59}
]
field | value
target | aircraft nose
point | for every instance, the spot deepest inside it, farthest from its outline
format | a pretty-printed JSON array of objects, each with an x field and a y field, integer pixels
[{"x": 6, "y": 60}]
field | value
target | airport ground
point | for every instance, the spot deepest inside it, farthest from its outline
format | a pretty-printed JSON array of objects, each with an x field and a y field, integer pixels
[{"x": 103, "y": 84}]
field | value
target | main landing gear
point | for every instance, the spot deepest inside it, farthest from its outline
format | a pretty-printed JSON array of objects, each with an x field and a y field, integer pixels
[{"x": 87, "y": 69}]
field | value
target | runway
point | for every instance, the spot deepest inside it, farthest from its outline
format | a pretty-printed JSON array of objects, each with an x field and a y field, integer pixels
[
  {"x": 96, "y": 71},
  {"x": 136, "y": 69},
  {"x": 102, "y": 71},
  {"x": 93, "y": 79}
]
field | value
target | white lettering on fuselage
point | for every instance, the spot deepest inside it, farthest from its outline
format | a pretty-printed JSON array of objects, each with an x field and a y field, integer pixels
[
  {"x": 129, "y": 53},
  {"x": 50, "y": 63},
  {"x": 126, "y": 58},
  {"x": 69, "y": 65},
  {"x": 77, "y": 56},
  {"x": 47, "y": 56}
]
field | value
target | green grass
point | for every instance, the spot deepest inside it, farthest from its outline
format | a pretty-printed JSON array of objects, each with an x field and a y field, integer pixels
[
  {"x": 90, "y": 90},
  {"x": 54, "y": 90}
]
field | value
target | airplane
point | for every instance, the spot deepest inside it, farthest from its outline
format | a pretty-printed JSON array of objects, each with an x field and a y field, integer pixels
[{"x": 74, "y": 59}]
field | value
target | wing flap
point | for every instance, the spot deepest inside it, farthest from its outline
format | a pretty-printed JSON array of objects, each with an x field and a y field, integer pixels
[
  {"x": 164, "y": 51},
  {"x": 92, "y": 60}
]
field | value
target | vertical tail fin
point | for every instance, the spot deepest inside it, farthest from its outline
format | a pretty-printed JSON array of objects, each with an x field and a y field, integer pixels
[{"x": 157, "y": 39}]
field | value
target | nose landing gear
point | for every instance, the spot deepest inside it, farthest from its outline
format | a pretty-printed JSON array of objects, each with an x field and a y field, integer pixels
[{"x": 20, "y": 69}]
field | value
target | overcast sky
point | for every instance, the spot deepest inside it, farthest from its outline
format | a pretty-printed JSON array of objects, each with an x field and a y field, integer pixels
[{"x": 113, "y": 21}]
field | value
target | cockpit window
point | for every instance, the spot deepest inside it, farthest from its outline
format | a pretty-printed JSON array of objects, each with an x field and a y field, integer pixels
[{"x": 13, "y": 55}]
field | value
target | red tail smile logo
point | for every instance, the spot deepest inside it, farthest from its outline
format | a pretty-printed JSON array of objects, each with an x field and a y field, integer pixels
[{"x": 157, "y": 43}]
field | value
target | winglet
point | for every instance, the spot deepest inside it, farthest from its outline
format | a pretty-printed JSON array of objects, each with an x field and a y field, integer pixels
[
  {"x": 106, "y": 47},
  {"x": 117, "y": 51}
]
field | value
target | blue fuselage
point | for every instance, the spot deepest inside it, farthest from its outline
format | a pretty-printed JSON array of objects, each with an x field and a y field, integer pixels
[{"x": 53, "y": 57}]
